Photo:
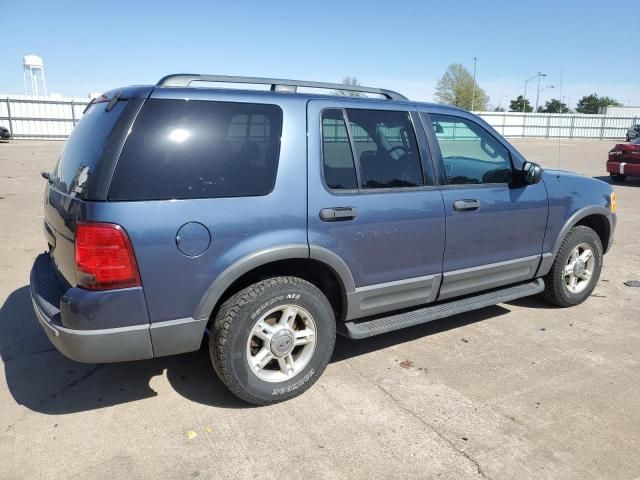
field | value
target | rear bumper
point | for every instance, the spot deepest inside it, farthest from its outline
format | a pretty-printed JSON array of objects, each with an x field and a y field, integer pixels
[
  {"x": 58, "y": 311},
  {"x": 91, "y": 346},
  {"x": 97, "y": 346},
  {"x": 624, "y": 168}
]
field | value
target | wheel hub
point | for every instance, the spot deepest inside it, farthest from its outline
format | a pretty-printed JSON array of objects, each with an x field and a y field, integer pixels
[
  {"x": 579, "y": 268},
  {"x": 282, "y": 342}
]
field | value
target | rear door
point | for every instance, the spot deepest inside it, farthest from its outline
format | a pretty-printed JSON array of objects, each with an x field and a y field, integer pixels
[
  {"x": 494, "y": 230},
  {"x": 373, "y": 202}
]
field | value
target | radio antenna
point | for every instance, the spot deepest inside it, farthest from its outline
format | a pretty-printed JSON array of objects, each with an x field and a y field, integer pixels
[{"x": 560, "y": 129}]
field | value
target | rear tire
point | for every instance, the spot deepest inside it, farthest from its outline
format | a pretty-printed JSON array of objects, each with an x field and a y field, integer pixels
[
  {"x": 272, "y": 340},
  {"x": 618, "y": 177},
  {"x": 576, "y": 269}
]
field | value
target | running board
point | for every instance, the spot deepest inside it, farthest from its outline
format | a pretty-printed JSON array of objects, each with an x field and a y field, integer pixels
[{"x": 368, "y": 328}]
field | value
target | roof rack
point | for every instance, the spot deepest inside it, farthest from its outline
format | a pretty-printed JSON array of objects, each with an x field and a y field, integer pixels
[{"x": 277, "y": 84}]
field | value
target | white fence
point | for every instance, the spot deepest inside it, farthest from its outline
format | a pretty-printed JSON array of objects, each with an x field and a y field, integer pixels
[
  {"x": 554, "y": 125},
  {"x": 39, "y": 118},
  {"x": 54, "y": 119}
]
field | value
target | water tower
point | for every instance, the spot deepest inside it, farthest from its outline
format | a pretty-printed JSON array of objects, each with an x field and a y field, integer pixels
[{"x": 33, "y": 71}]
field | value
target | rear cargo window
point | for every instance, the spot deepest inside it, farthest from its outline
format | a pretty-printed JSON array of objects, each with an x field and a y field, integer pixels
[
  {"x": 84, "y": 147},
  {"x": 182, "y": 149}
]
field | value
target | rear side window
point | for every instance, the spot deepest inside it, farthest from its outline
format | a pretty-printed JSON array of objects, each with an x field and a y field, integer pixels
[
  {"x": 181, "y": 149},
  {"x": 339, "y": 170},
  {"x": 386, "y": 149},
  {"x": 384, "y": 145}
]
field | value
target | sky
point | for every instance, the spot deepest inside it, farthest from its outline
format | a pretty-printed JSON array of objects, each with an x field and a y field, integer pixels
[{"x": 405, "y": 45}]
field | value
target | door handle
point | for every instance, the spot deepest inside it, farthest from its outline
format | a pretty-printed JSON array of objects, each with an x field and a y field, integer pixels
[
  {"x": 338, "y": 214},
  {"x": 466, "y": 205}
]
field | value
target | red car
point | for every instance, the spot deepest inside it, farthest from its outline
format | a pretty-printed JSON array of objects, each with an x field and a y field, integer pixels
[{"x": 624, "y": 159}]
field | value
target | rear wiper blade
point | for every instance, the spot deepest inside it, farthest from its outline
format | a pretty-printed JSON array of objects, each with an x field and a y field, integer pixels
[{"x": 89, "y": 105}]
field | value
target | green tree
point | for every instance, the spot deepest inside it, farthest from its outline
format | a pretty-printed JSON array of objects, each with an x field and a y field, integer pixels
[
  {"x": 592, "y": 103},
  {"x": 554, "y": 106},
  {"x": 352, "y": 81},
  {"x": 456, "y": 87},
  {"x": 516, "y": 105}
]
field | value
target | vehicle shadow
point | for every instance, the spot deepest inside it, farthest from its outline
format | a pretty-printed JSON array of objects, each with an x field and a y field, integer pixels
[
  {"x": 627, "y": 181},
  {"x": 535, "y": 302},
  {"x": 43, "y": 380}
]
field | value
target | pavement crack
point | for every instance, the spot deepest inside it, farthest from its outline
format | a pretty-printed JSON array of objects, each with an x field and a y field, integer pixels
[
  {"x": 65, "y": 388},
  {"x": 410, "y": 412},
  {"x": 8, "y": 358},
  {"x": 72, "y": 384}
]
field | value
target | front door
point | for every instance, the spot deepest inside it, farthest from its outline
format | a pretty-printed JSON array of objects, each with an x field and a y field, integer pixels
[
  {"x": 374, "y": 204},
  {"x": 494, "y": 230}
]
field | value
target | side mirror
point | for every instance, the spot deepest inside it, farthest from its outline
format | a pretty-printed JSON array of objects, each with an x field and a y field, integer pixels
[
  {"x": 437, "y": 127},
  {"x": 531, "y": 173}
]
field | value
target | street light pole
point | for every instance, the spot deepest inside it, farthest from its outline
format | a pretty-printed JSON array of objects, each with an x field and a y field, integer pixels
[
  {"x": 540, "y": 75},
  {"x": 542, "y": 90},
  {"x": 473, "y": 95},
  {"x": 500, "y": 101},
  {"x": 524, "y": 99}
]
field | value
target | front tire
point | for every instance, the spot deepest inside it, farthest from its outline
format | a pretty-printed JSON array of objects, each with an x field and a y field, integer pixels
[
  {"x": 618, "y": 177},
  {"x": 272, "y": 340},
  {"x": 576, "y": 269}
]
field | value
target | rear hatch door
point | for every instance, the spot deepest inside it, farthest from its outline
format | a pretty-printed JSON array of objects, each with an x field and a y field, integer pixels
[{"x": 84, "y": 170}]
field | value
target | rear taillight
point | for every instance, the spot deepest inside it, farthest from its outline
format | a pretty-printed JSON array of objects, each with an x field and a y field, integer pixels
[{"x": 104, "y": 257}]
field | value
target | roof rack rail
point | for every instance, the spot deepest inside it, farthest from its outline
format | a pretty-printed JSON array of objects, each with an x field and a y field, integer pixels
[{"x": 277, "y": 84}]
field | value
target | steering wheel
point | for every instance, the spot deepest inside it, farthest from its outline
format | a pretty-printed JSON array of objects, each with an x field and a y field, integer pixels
[{"x": 397, "y": 147}]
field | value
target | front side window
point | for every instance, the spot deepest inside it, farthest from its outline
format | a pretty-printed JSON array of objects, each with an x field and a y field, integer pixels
[
  {"x": 470, "y": 154},
  {"x": 181, "y": 149},
  {"x": 378, "y": 150}
]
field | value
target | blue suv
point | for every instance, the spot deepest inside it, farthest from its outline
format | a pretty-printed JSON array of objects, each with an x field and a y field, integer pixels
[{"x": 263, "y": 222}]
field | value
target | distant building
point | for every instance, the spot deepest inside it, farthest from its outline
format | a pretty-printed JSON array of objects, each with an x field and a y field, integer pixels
[{"x": 620, "y": 111}]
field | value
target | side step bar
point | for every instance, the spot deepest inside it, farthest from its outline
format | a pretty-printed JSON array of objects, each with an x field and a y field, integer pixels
[{"x": 368, "y": 328}]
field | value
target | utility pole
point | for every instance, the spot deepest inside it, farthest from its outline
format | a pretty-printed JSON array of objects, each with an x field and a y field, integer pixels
[{"x": 473, "y": 95}]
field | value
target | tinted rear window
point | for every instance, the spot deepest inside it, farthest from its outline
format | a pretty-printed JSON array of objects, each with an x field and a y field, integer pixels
[
  {"x": 84, "y": 147},
  {"x": 199, "y": 149}
]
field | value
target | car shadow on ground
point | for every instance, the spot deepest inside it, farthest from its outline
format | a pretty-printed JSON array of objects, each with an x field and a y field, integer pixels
[
  {"x": 43, "y": 380},
  {"x": 535, "y": 301},
  {"x": 627, "y": 181}
]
